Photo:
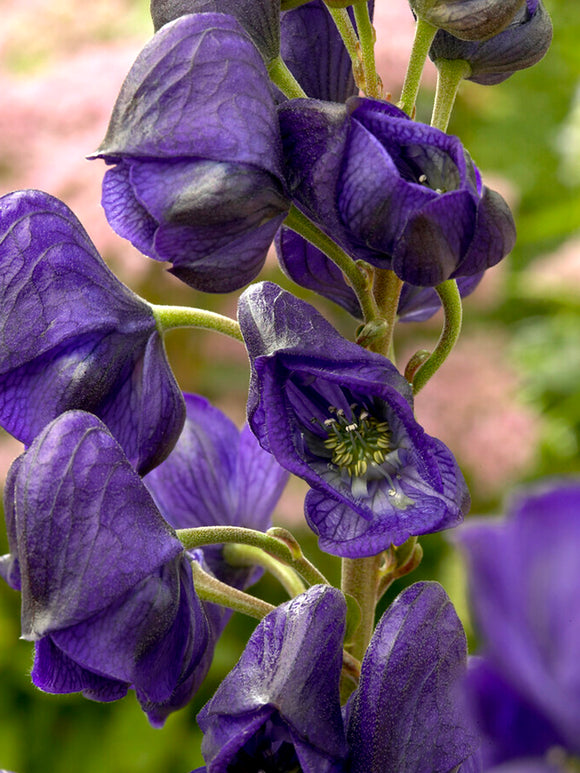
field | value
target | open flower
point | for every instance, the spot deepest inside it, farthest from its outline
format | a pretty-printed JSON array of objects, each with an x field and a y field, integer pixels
[
  {"x": 400, "y": 195},
  {"x": 73, "y": 336},
  {"x": 107, "y": 590},
  {"x": 195, "y": 143},
  {"x": 524, "y": 579},
  {"x": 342, "y": 418}
]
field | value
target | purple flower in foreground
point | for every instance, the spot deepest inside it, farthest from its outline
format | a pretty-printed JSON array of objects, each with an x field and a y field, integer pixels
[
  {"x": 72, "y": 336},
  {"x": 524, "y": 580},
  {"x": 407, "y": 715},
  {"x": 306, "y": 265},
  {"x": 107, "y": 590},
  {"x": 522, "y": 44},
  {"x": 196, "y": 146},
  {"x": 217, "y": 476},
  {"x": 342, "y": 418},
  {"x": 279, "y": 709},
  {"x": 400, "y": 195}
]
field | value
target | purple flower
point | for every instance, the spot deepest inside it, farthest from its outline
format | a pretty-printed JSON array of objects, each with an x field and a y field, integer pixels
[
  {"x": 407, "y": 715},
  {"x": 400, "y": 195},
  {"x": 306, "y": 265},
  {"x": 107, "y": 591},
  {"x": 73, "y": 336},
  {"x": 524, "y": 579},
  {"x": 342, "y": 418},
  {"x": 215, "y": 476},
  {"x": 471, "y": 20},
  {"x": 522, "y": 44},
  {"x": 196, "y": 146},
  {"x": 279, "y": 709}
]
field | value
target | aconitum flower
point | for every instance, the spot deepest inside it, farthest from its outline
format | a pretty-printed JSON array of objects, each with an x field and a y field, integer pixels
[
  {"x": 73, "y": 336},
  {"x": 399, "y": 194},
  {"x": 195, "y": 143},
  {"x": 467, "y": 19},
  {"x": 522, "y": 44},
  {"x": 107, "y": 590},
  {"x": 341, "y": 418},
  {"x": 524, "y": 578},
  {"x": 279, "y": 708}
]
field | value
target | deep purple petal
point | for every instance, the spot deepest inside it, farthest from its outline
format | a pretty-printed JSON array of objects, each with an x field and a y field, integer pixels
[
  {"x": 524, "y": 576},
  {"x": 288, "y": 673},
  {"x": 74, "y": 337},
  {"x": 87, "y": 529},
  {"x": 9, "y": 564},
  {"x": 199, "y": 89},
  {"x": 406, "y": 716}
]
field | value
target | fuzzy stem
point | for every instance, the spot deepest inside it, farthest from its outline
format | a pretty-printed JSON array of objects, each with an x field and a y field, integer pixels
[
  {"x": 170, "y": 317},
  {"x": 350, "y": 40},
  {"x": 424, "y": 34},
  {"x": 360, "y": 579},
  {"x": 450, "y": 73},
  {"x": 283, "y": 78},
  {"x": 246, "y": 555},
  {"x": 367, "y": 36},
  {"x": 210, "y": 589},
  {"x": 453, "y": 310},
  {"x": 298, "y": 222}
]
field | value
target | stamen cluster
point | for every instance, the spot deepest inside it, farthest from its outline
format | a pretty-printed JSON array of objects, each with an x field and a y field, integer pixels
[{"x": 356, "y": 441}]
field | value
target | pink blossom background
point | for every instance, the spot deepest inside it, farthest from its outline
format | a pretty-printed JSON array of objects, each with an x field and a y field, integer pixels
[{"x": 58, "y": 89}]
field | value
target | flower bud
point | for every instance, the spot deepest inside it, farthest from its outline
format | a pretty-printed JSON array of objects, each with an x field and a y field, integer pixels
[
  {"x": 522, "y": 44},
  {"x": 467, "y": 19}
]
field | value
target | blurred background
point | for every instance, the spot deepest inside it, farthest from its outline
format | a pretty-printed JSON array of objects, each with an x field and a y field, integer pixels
[{"x": 507, "y": 401}]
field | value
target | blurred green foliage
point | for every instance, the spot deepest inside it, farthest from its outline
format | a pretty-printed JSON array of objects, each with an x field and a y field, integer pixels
[{"x": 528, "y": 131}]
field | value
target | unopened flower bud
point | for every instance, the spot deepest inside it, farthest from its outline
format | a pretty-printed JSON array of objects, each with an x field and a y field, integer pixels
[
  {"x": 522, "y": 44},
  {"x": 467, "y": 19}
]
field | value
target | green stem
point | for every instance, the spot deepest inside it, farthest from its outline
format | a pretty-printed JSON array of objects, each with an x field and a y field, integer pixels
[
  {"x": 367, "y": 36},
  {"x": 350, "y": 40},
  {"x": 210, "y": 589},
  {"x": 169, "y": 317},
  {"x": 424, "y": 34},
  {"x": 387, "y": 289},
  {"x": 360, "y": 579},
  {"x": 283, "y": 78},
  {"x": 246, "y": 555},
  {"x": 358, "y": 279},
  {"x": 452, "y": 308},
  {"x": 450, "y": 73}
]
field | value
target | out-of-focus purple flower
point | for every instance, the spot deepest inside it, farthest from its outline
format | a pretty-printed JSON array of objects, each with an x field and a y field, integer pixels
[
  {"x": 73, "y": 336},
  {"x": 279, "y": 708},
  {"x": 196, "y": 146},
  {"x": 467, "y": 19},
  {"x": 107, "y": 590},
  {"x": 407, "y": 715},
  {"x": 306, "y": 265},
  {"x": 341, "y": 418},
  {"x": 396, "y": 193},
  {"x": 524, "y": 579},
  {"x": 217, "y": 476},
  {"x": 522, "y": 44},
  {"x": 259, "y": 18}
]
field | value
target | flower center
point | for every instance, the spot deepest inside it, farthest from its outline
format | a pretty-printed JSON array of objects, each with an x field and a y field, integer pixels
[{"x": 356, "y": 441}]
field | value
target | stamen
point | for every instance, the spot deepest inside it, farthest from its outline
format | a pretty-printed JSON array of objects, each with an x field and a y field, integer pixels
[{"x": 357, "y": 442}]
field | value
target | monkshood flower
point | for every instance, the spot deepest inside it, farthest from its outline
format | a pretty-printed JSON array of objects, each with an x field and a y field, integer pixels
[
  {"x": 399, "y": 194},
  {"x": 522, "y": 44},
  {"x": 195, "y": 143},
  {"x": 217, "y": 475},
  {"x": 407, "y": 714},
  {"x": 259, "y": 18},
  {"x": 341, "y": 418},
  {"x": 107, "y": 590},
  {"x": 279, "y": 708},
  {"x": 309, "y": 267},
  {"x": 524, "y": 579},
  {"x": 467, "y": 19},
  {"x": 73, "y": 336}
]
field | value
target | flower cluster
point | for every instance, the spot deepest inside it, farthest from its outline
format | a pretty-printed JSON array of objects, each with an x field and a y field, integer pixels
[{"x": 138, "y": 517}]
